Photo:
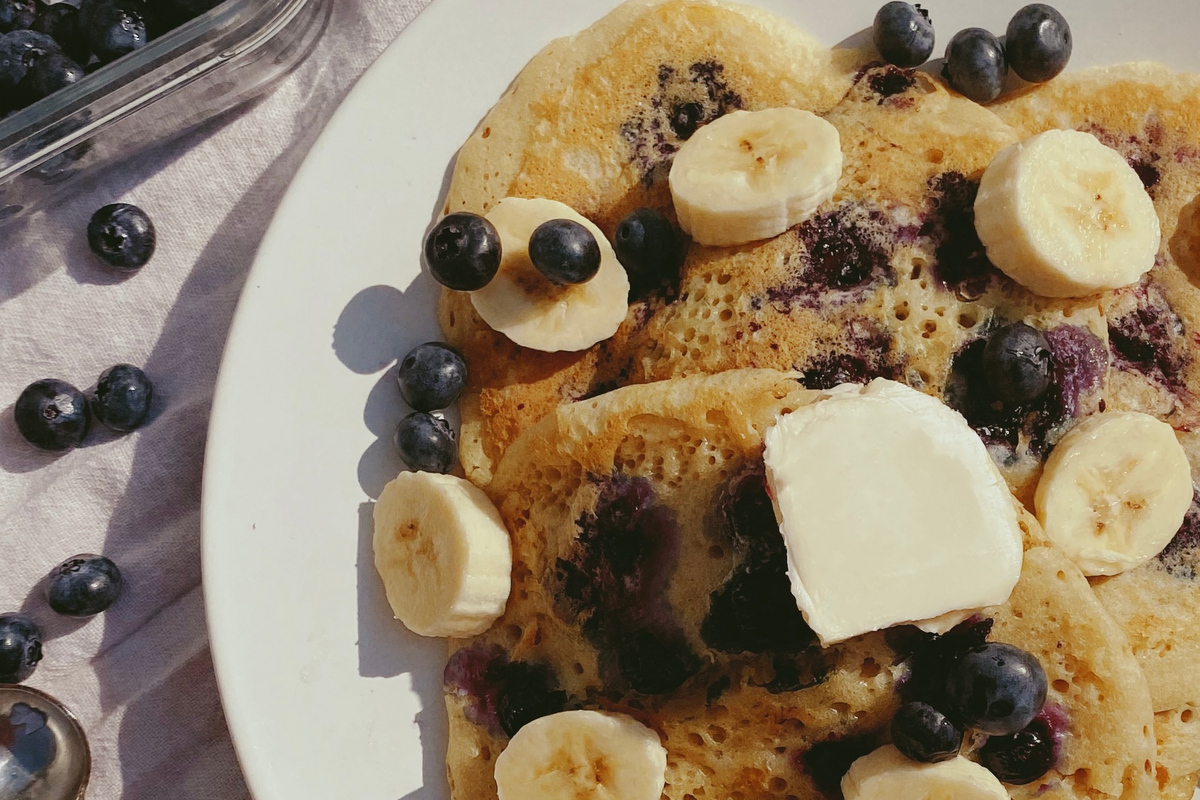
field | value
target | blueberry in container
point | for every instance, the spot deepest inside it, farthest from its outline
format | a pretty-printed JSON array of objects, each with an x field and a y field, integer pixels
[{"x": 202, "y": 59}]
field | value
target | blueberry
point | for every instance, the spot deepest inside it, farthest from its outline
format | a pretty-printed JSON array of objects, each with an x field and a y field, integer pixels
[
  {"x": 655, "y": 662},
  {"x": 755, "y": 612},
  {"x": 52, "y": 415},
  {"x": 646, "y": 245},
  {"x": 114, "y": 28},
  {"x": 975, "y": 65},
  {"x": 61, "y": 21},
  {"x": 123, "y": 236},
  {"x": 48, "y": 74},
  {"x": 903, "y": 34},
  {"x": 923, "y": 733},
  {"x": 997, "y": 689},
  {"x": 564, "y": 251},
  {"x": 84, "y": 585},
  {"x": 1021, "y": 757},
  {"x": 463, "y": 252},
  {"x": 529, "y": 692},
  {"x": 16, "y": 15},
  {"x": 1038, "y": 43},
  {"x": 1017, "y": 364},
  {"x": 432, "y": 376},
  {"x": 686, "y": 119},
  {"x": 426, "y": 443},
  {"x": 18, "y": 51},
  {"x": 20, "y": 647},
  {"x": 122, "y": 399}
]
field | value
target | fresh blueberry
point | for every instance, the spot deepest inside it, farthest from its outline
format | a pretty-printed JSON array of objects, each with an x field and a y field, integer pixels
[
  {"x": 122, "y": 399},
  {"x": 20, "y": 647},
  {"x": 463, "y": 251},
  {"x": 997, "y": 689},
  {"x": 975, "y": 65},
  {"x": 1021, "y": 757},
  {"x": 426, "y": 443},
  {"x": 432, "y": 376},
  {"x": 16, "y": 15},
  {"x": 655, "y": 662},
  {"x": 18, "y": 51},
  {"x": 61, "y": 21},
  {"x": 1017, "y": 364},
  {"x": 646, "y": 245},
  {"x": 1038, "y": 43},
  {"x": 923, "y": 733},
  {"x": 52, "y": 415},
  {"x": 114, "y": 28},
  {"x": 48, "y": 74},
  {"x": 564, "y": 251},
  {"x": 529, "y": 692},
  {"x": 903, "y": 34},
  {"x": 123, "y": 236},
  {"x": 84, "y": 585}
]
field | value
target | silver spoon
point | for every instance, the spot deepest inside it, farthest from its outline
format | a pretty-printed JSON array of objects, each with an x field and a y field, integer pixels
[{"x": 44, "y": 754}]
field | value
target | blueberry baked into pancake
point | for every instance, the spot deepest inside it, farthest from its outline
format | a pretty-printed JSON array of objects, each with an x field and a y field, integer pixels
[{"x": 826, "y": 434}]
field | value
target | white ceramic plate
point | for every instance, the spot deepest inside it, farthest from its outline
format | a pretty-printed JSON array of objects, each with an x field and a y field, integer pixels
[{"x": 327, "y": 696}]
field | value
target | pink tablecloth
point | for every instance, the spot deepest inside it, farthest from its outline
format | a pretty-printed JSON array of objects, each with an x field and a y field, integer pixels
[{"x": 140, "y": 677}]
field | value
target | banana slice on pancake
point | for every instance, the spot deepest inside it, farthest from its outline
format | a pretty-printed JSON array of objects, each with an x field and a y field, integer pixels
[
  {"x": 751, "y": 175},
  {"x": 533, "y": 311}
]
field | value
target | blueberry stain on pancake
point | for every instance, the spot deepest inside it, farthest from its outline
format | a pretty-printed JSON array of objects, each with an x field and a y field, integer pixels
[
  {"x": 1145, "y": 339},
  {"x": 866, "y": 354},
  {"x": 887, "y": 83},
  {"x": 844, "y": 258},
  {"x": 828, "y": 762},
  {"x": 685, "y": 99},
  {"x": 961, "y": 264},
  {"x": 1142, "y": 151},
  {"x": 1181, "y": 557},
  {"x": 614, "y": 584},
  {"x": 754, "y": 611},
  {"x": 1077, "y": 364}
]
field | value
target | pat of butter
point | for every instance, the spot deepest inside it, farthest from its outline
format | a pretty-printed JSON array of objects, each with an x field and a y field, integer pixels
[{"x": 891, "y": 510}]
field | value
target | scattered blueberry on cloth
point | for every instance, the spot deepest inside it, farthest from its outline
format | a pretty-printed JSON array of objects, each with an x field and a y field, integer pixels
[{"x": 140, "y": 677}]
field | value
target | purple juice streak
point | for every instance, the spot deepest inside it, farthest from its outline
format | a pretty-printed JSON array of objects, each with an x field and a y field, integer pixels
[{"x": 1078, "y": 363}]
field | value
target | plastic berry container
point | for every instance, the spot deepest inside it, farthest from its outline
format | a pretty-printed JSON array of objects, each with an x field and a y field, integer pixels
[{"x": 227, "y": 56}]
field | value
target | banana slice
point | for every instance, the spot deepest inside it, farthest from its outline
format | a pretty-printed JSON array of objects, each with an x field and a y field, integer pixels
[
  {"x": 526, "y": 307},
  {"x": 1065, "y": 216},
  {"x": 1114, "y": 491},
  {"x": 582, "y": 755},
  {"x": 887, "y": 775},
  {"x": 443, "y": 553},
  {"x": 751, "y": 175}
]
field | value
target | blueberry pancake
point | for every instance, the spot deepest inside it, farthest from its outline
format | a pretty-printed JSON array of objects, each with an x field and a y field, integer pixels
[
  {"x": 593, "y": 121},
  {"x": 1151, "y": 115},
  {"x": 648, "y": 580},
  {"x": 887, "y": 279}
]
